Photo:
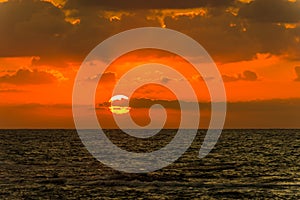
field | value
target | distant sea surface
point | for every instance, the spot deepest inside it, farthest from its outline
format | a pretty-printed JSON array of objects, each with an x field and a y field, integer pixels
[{"x": 245, "y": 164}]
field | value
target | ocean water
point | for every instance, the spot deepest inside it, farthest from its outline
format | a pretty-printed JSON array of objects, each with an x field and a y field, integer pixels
[{"x": 245, "y": 164}]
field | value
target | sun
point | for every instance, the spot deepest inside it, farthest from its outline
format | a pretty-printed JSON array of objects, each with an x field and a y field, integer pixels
[
  {"x": 119, "y": 104},
  {"x": 118, "y": 97}
]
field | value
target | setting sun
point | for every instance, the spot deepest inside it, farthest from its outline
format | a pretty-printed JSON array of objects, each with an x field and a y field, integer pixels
[
  {"x": 118, "y": 104},
  {"x": 118, "y": 97}
]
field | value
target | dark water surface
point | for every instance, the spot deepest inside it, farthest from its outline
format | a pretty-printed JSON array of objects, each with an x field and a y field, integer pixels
[{"x": 245, "y": 164}]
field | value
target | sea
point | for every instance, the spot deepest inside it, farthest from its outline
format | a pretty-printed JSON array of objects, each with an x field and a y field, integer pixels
[{"x": 244, "y": 164}]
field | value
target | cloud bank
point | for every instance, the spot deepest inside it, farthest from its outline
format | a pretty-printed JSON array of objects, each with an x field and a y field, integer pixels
[
  {"x": 28, "y": 77},
  {"x": 229, "y": 30}
]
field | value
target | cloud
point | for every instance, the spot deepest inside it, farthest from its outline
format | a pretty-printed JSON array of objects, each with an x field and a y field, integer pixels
[
  {"x": 247, "y": 76},
  {"x": 29, "y": 27},
  {"x": 10, "y": 91},
  {"x": 273, "y": 11},
  {"x": 107, "y": 77},
  {"x": 273, "y": 113},
  {"x": 230, "y": 38},
  {"x": 201, "y": 78},
  {"x": 153, "y": 4},
  {"x": 28, "y": 77},
  {"x": 38, "y": 28},
  {"x": 216, "y": 31},
  {"x": 147, "y": 103},
  {"x": 297, "y": 70},
  {"x": 165, "y": 80}
]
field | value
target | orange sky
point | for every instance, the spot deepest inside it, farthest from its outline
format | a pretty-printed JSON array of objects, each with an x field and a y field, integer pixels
[{"x": 43, "y": 44}]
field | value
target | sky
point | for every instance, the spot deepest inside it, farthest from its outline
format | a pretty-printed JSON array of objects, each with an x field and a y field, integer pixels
[{"x": 254, "y": 43}]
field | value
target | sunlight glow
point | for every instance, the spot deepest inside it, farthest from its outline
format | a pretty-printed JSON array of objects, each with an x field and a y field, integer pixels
[{"x": 119, "y": 109}]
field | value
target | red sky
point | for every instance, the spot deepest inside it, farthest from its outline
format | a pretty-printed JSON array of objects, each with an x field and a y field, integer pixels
[{"x": 255, "y": 44}]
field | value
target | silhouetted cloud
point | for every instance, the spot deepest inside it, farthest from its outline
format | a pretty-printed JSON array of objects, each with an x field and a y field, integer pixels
[
  {"x": 29, "y": 27},
  {"x": 274, "y": 113},
  {"x": 146, "y": 103},
  {"x": 153, "y": 4},
  {"x": 247, "y": 76},
  {"x": 25, "y": 77},
  {"x": 165, "y": 80},
  {"x": 297, "y": 70},
  {"x": 107, "y": 77},
  {"x": 10, "y": 91},
  {"x": 170, "y": 104},
  {"x": 273, "y": 11},
  {"x": 228, "y": 30}
]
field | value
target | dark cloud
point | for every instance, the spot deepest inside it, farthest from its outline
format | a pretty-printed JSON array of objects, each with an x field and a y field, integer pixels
[
  {"x": 215, "y": 35},
  {"x": 10, "y": 91},
  {"x": 153, "y": 4},
  {"x": 29, "y": 27},
  {"x": 165, "y": 80},
  {"x": 38, "y": 28},
  {"x": 247, "y": 76},
  {"x": 227, "y": 78},
  {"x": 272, "y": 38},
  {"x": 274, "y": 11},
  {"x": 273, "y": 113},
  {"x": 201, "y": 78},
  {"x": 147, "y": 103},
  {"x": 107, "y": 77},
  {"x": 297, "y": 70},
  {"x": 27, "y": 77},
  {"x": 230, "y": 38},
  {"x": 171, "y": 104}
]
